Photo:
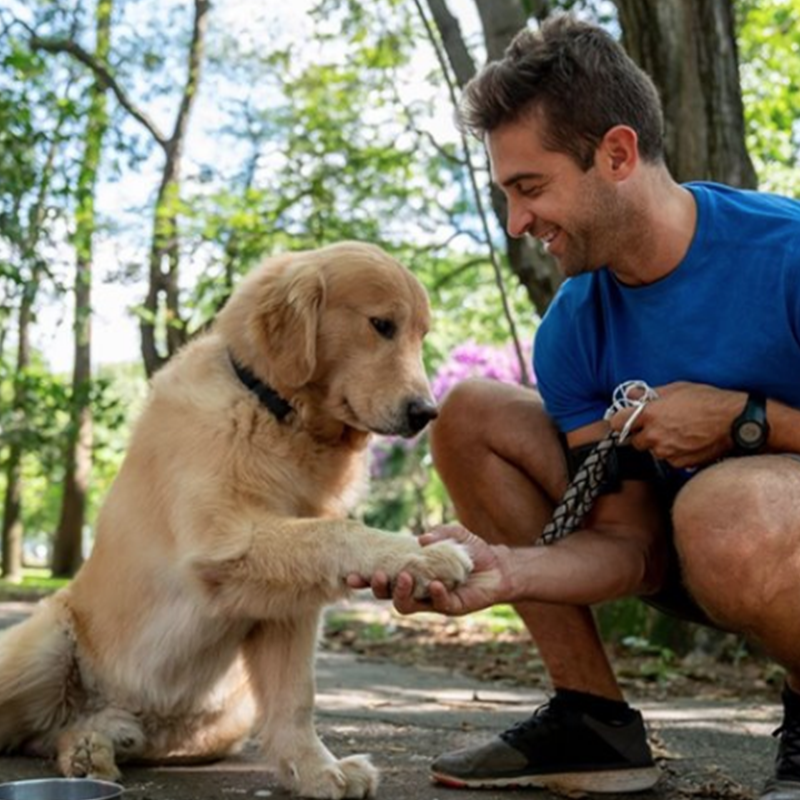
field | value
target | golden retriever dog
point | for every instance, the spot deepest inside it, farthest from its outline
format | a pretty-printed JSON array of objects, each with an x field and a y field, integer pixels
[{"x": 193, "y": 624}]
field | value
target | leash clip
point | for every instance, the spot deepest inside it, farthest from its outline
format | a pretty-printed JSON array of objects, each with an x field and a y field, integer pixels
[
  {"x": 626, "y": 428},
  {"x": 630, "y": 394}
]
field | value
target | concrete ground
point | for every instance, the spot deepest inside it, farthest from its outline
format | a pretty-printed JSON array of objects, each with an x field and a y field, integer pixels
[{"x": 404, "y": 716}]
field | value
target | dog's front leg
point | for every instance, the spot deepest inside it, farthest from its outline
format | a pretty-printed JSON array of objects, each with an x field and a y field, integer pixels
[{"x": 280, "y": 661}]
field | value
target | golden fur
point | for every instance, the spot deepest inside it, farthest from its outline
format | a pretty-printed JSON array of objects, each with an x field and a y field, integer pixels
[{"x": 193, "y": 623}]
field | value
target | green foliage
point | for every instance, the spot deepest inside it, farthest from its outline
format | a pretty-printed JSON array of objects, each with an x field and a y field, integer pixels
[
  {"x": 349, "y": 158},
  {"x": 306, "y": 142},
  {"x": 38, "y": 422},
  {"x": 35, "y": 583},
  {"x": 769, "y": 51},
  {"x": 659, "y": 663},
  {"x": 115, "y": 396},
  {"x": 500, "y": 619}
]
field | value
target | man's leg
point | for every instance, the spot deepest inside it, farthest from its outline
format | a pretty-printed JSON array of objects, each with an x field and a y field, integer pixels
[
  {"x": 499, "y": 455},
  {"x": 504, "y": 467},
  {"x": 737, "y": 532}
]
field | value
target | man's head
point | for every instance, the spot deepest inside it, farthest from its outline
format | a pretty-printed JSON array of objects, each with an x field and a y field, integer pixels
[
  {"x": 569, "y": 121},
  {"x": 580, "y": 82}
]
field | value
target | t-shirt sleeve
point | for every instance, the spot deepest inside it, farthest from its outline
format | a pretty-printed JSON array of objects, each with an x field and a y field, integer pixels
[
  {"x": 793, "y": 287},
  {"x": 565, "y": 377}
]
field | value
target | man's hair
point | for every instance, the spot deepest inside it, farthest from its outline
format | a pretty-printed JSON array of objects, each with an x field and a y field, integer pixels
[{"x": 579, "y": 78}]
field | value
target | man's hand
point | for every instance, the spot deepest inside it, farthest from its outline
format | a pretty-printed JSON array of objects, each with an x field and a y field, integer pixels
[
  {"x": 689, "y": 425},
  {"x": 487, "y": 584}
]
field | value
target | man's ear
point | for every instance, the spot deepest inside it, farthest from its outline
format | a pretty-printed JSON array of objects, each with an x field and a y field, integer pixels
[
  {"x": 617, "y": 156},
  {"x": 287, "y": 316}
]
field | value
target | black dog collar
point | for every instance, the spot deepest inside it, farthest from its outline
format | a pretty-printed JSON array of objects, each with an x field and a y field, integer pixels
[{"x": 266, "y": 395}]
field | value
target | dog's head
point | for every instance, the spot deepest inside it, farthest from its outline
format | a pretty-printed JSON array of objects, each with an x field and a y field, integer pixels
[{"x": 339, "y": 329}]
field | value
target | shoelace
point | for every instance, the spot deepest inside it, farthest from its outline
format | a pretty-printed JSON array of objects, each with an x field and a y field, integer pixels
[{"x": 545, "y": 714}]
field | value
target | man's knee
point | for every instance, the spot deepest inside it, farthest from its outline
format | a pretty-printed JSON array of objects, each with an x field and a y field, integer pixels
[
  {"x": 731, "y": 529},
  {"x": 476, "y": 411},
  {"x": 713, "y": 517},
  {"x": 456, "y": 415},
  {"x": 487, "y": 428}
]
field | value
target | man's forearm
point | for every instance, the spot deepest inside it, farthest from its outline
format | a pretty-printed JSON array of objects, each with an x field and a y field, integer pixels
[
  {"x": 587, "y": 568},
  {"x": 784, "y": 423}
]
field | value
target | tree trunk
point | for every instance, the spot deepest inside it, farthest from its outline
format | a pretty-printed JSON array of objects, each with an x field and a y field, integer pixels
[
  {"x": 501, "y": 20},
  {"x": 13, "y": 529},
  {"x": 162, "y": 329},
  {"x": 689, "y": 50},
  {"x": 68, "y": 544}
]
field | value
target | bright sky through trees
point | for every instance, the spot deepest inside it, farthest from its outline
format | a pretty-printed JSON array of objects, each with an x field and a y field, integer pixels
[{"x": 255, "y": 25}]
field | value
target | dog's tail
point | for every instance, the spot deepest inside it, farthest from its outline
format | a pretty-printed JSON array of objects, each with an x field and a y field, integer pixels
[{"x": 37, "y": 669}]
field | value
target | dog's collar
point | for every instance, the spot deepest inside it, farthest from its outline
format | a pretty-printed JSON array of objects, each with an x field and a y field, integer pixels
[{"x": 266, "y": 395}]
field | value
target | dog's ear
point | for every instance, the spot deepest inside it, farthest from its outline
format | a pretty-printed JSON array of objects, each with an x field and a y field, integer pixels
[{"x": 288, "y": 318}]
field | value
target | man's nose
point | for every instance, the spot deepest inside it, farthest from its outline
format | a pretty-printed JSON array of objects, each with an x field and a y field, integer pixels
[{"x": 520, "y": 220}]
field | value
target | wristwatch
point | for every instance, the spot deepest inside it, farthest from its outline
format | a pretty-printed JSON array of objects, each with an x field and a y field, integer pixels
[{"x": 750, "y": 430}]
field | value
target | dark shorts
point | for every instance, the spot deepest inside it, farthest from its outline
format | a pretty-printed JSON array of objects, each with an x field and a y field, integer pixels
[{"x": 673, "y": 598}]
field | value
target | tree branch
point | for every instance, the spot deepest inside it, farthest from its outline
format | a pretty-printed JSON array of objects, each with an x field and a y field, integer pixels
[
  {"x": 478, "y": 199},
  {"x": 102, "y": 74},
  {"x": 195, "y": 60}
]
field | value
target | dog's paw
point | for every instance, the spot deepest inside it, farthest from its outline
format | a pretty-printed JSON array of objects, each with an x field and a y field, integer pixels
[
  {"x": 87, "y": 754},
  {"x": 361, "y": 778},
  {"x": 352, "y": 777},
  {"x": 448, "y": 562}
]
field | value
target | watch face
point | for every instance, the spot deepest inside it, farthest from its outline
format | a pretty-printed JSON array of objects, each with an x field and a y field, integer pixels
[{"x": 750, "y": 433}]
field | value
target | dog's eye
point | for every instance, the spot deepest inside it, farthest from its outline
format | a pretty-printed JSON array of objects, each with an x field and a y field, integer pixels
[{"x": 384, "y": 327}]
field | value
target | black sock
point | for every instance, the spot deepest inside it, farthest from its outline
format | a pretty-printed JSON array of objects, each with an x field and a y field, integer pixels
[
  {"x": 595, "y": 706},
  {"x": 791, "y": 701}
]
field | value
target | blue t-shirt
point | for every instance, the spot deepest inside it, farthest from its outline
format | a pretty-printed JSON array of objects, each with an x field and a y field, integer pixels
[{"x": 728, "y": 315}]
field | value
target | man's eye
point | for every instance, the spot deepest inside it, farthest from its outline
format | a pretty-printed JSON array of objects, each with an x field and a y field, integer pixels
[
  {"x": 384, "y": 327},
  {"x": 529, "y": 191}
]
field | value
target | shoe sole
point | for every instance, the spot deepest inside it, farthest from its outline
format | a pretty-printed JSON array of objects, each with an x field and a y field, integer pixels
[{"x": 606, "y": 781}]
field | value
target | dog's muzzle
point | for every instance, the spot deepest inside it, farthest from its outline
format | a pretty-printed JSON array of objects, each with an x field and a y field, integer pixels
[{"x": 419, "y": 412}]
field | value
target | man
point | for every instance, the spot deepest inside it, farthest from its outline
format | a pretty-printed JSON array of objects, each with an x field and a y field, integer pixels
[{"x": 694, "y": 289}]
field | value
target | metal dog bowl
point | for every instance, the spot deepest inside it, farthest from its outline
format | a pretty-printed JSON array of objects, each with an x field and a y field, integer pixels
[{"x": 60, "y": 789}]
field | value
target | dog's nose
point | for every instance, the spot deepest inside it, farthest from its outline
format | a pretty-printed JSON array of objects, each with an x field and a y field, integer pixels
[{"x": 419, "y": 412}]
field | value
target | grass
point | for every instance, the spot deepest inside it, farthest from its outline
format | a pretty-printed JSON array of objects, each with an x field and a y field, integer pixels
[{"x": 35, "y": 583}]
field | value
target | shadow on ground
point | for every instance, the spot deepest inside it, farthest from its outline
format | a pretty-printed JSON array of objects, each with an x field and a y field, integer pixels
[{"x": 404, "y": 716}]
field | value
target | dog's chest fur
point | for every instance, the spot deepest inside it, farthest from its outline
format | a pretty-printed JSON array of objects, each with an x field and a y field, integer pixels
[{"x": 279, "y": 463}]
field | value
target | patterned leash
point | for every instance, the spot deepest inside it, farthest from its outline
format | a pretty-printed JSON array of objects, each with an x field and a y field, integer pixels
[{"x": 585, "y": 486}]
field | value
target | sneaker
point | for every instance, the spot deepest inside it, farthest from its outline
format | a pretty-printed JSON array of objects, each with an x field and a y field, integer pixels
[
  {"x": 786, "y": 783},
  {"x": 559, "y": 747},
  {"x": 781, "y": 790}
]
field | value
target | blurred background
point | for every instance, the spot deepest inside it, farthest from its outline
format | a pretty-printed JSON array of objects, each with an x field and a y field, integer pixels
[{"x": 153, "y": 151}]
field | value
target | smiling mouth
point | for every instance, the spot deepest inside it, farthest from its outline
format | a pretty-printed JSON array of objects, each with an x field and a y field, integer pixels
[{"x": 547, "y": 237}]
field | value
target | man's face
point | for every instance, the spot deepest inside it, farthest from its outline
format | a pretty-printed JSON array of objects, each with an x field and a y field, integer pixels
[{"x": 573, "y": 213}]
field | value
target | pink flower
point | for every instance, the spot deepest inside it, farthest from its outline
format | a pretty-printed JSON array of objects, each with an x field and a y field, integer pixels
[
  {"x": 472, "y": 360},
  {"x": 468, "y": 360}
]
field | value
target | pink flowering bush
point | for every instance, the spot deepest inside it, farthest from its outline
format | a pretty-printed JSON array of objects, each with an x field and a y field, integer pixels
[
  {"x": 473, "y": 360},
  {"x": 468, "y": 360},
  {"x": 406, "y": 492}
]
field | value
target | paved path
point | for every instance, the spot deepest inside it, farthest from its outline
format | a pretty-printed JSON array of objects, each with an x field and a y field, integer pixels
[{"x": 405, "y": 715}]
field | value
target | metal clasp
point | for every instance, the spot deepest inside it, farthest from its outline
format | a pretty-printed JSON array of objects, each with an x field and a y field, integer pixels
[{"x": 626, "y": 428}]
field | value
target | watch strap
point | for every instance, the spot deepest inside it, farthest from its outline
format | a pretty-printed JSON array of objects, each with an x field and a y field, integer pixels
[{"x": 755, "y": 411}]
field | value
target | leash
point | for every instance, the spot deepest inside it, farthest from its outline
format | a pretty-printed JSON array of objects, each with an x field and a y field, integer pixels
[{"x": 584, "y": 488}]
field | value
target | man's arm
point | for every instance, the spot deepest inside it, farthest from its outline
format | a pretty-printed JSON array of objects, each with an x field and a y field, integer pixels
[
  {"x": 621, "y": 551},
  {"x": 689, "y": 425},
  {"x": 784, "y": 422}
]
